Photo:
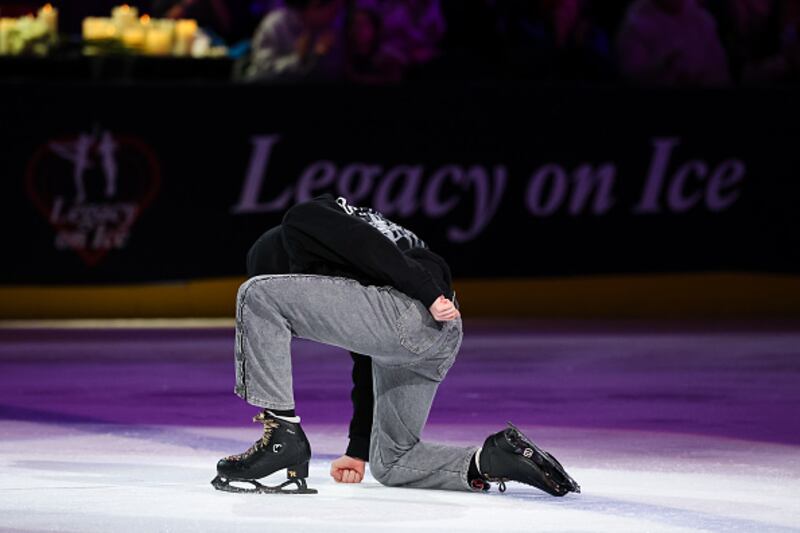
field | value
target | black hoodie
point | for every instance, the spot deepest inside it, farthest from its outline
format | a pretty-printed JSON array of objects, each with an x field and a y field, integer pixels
[{"x": 320, "y": 237}]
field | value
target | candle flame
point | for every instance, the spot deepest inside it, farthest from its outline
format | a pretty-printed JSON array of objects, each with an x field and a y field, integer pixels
[
  {"x": 126, "y": 7},
  {"x": 144, "y": 19},
  {"x": 47, "y": 8}
]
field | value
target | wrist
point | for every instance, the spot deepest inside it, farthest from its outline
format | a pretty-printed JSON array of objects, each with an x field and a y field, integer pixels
[
  {"x": 358, "y": 448},
  {"x": 429, "y": 293}
]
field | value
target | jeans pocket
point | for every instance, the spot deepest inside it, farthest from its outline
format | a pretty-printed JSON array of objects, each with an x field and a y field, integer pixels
[
  {"x": 451, "y": 346},
  {"x": 417, "y": 329}
]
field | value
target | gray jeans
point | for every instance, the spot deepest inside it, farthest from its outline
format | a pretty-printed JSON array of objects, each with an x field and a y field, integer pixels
[{"x": 411, "y": 353}]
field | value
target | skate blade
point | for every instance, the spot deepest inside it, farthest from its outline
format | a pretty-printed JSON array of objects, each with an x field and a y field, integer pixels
[
  {"x": 225, "y": 485},
  {"x": 562, "y": 481}
]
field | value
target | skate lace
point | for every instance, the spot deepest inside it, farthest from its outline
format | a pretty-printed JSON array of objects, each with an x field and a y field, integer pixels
[
  {"x": 270, "y": 424},
  {"x": 501, "y": 481}
]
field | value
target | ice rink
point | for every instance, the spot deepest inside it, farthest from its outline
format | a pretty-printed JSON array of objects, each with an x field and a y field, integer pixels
[{"x": 667, "y": 427}]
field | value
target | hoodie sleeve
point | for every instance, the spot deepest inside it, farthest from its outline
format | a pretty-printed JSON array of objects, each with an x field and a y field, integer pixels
[
  {"x": 320, "y": 231},
  {"x": 363, "y": 401}
]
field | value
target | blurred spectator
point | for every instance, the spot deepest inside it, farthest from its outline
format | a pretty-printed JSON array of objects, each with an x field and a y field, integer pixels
[
  {"x": 231, "y": 20},
  {"x": 303, "y": 39},
  {"x": 761, "y": 37},
  {"x": 410, "y": 30},
  {"x": 671, "y": 42},
  {"x": 583, "y": 47},
  {"x": 365, "y": 63},
  {"x": 554, "y": 39}
]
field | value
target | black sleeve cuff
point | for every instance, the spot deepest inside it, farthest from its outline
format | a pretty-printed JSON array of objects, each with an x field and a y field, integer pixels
[
  {"x": 428, "y": 294},
  {"x": 358, "y": 448}
]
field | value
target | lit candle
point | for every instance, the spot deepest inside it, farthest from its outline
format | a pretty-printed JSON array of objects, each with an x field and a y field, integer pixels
[
  {"x": 133, "y": 37},
  {"x": 86, "y": 28},
  {"x": 185, "y": 31},
  {"x": 124, "y": 16},
  {"x": 49, "y": 15},
  {"x": 158, "y": 42},
  {"x": 95, "y": 28},
  {"x": 108, "y": 29},
  {"x": 168, "y": 25},
  {"x": 7, "y": 25}
]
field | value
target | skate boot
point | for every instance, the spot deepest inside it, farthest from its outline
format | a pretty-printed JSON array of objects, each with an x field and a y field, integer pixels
[
  {"x": 283, "y": 445},
  {"x": 511, "y": 456}
]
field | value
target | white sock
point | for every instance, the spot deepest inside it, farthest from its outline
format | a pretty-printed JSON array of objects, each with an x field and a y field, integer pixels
[
  {"x": 478, "y": 460},
  {"x": 292, "y": 419}
]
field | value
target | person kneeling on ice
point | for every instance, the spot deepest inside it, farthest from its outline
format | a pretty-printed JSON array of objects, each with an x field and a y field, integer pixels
[{"x": 335, "y": 274}]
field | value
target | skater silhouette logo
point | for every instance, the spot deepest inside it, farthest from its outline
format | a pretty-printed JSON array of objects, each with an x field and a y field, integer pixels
[{"x": 92, "y": 188}]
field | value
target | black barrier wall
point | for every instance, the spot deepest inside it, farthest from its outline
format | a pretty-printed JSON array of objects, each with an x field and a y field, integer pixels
[{"x": 123, "y": 183}]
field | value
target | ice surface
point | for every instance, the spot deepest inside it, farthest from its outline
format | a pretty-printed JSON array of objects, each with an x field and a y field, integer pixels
[
  {"x": 105, "y": 479},
  {"x": 665, "y": 430}
]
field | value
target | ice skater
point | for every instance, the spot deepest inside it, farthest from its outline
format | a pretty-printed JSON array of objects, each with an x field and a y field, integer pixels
[{"x": 348, "y": 285}]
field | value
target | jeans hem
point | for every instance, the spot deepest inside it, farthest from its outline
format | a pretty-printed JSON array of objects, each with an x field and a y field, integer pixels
[
  {"x": 465, "y": 467},
  {"x": 260, "y": 402}
]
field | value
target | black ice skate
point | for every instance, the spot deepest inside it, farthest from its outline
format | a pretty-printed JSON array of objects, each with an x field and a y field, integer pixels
[
  {"x": 511, "y": 456},
  {"x": 284, "y": 445}
]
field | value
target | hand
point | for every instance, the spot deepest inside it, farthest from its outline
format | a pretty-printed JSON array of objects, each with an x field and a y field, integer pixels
[
  {"x": 347, "y": 469},
  {"x": 444, "y": 310}
]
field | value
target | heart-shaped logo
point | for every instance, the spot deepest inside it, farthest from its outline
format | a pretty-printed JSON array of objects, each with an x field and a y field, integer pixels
[{"x": 92, "y": 188}]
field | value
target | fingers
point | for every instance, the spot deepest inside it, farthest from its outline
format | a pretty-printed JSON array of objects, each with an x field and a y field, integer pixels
[
  {"x": 346, "y": 475},
  {"x": 445, "y": 310},
  {"x": 444, "y": 306}
]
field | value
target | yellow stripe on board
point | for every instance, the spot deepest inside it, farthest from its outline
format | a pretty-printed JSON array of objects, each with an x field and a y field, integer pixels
[{"x": 640, "y": 296}]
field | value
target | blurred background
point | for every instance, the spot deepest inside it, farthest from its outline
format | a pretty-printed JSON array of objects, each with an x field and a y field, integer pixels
[{"x": 569, "y": 158}]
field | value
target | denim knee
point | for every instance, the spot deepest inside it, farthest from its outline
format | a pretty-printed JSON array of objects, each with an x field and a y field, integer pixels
[
  {"x": 380, "y": 472},
  {"x": 382, "y": 461}
]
